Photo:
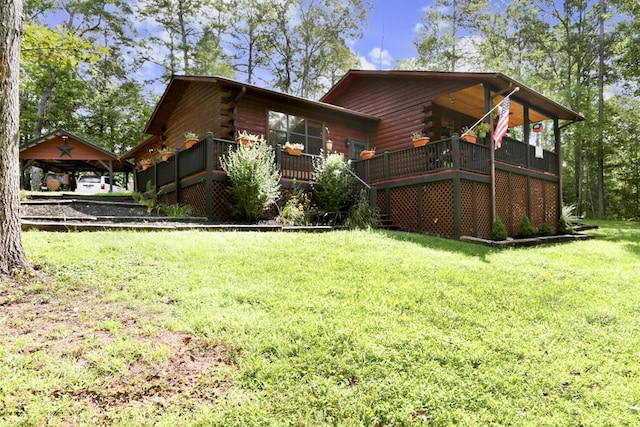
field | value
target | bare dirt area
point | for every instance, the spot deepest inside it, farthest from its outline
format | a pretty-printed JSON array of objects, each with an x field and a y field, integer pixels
[{"x": 170, "y": 367}]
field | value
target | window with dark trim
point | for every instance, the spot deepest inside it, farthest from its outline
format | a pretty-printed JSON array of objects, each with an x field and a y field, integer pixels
[{"x": 284, "y": 127}]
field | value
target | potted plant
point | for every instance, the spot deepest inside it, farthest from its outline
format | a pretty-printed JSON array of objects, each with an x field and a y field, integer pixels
[
  {"x": 145, "y": 164},
  {"x": 294, "y": 149},
  {"x": 165, "y": 153},
  {"x": 245, "y": 138},
  {"x": 419, "y": 139},
  {"x": 190, "y": 139},
  {"x": 469, "y": 135},
  {"x": 367, "y": 154},
  {"x": 483, "y": 129}
]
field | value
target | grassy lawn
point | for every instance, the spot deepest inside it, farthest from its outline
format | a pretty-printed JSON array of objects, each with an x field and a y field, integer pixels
[{"x": 342, "y": 328}]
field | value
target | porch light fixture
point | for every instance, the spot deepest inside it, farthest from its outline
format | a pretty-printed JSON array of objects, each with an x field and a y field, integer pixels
[
  {"x": 329, "y": 145},
  {"x": 453, "y": 99}
]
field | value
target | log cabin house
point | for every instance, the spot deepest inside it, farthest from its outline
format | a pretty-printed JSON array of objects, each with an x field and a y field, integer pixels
[{"x": 449, "y": 187}]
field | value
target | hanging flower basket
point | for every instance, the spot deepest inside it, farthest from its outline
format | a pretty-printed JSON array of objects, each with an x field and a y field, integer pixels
[
  {"x": 293, "y": 151},
  {"x": 190, "y": 142},
  {"x": 367, "y": 154},
  {"x": 470, "y": 138},
  {"x": 421, "y": 142}
]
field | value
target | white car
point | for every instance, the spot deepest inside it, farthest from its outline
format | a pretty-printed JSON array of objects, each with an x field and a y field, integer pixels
[{"x": 97, "y": 184}]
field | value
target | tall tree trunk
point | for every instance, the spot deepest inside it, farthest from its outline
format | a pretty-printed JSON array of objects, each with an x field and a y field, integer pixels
[
  {"x": 42, "y": 109},
  {"x": 600, "y": 151},
  {"x": 12, "y": 256}
]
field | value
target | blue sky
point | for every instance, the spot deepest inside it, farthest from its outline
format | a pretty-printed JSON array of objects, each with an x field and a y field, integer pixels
[{"x": 390, "y": 32}]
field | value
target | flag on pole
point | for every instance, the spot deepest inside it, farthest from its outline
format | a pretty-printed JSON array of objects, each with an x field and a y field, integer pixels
[{"x": 503, "y": 123}]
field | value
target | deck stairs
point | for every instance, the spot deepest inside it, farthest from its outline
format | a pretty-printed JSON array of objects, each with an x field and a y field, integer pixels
[{"x": 387, "y": 224}]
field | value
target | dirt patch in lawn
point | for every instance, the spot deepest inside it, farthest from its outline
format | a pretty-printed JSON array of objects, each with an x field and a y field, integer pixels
[{"x": 131, "y": 356}]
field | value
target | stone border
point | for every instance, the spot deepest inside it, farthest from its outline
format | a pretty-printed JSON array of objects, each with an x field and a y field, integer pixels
[
  {"x": 68, "y": 226},
  {"x": 533, "y": 241}
]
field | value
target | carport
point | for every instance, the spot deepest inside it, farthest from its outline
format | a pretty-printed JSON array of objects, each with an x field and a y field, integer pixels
[{"x": 66, "y": 154}]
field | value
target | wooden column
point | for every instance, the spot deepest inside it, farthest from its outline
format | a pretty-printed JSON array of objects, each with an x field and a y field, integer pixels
[
  {"x": 557, "y": 147},
  {"x": 176, "y": 176},
  {"x": 492, "y": 159},
  {"x": 208, "y": 182},
  {"x": 527, "y": 135},
  {"x": 457, "y": 204}
]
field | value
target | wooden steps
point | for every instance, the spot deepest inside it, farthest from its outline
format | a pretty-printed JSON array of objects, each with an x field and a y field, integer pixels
[{"x": 387, "y": 224}]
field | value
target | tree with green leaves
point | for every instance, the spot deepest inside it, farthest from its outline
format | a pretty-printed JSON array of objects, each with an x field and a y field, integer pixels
[
  {"x": 440, "y": 42},
  {"x": 250, "y": 35},
  {"x": 308, "y": 39},
  {"x": 12, "y": 256},
  {"x": 184, "y": 36}
]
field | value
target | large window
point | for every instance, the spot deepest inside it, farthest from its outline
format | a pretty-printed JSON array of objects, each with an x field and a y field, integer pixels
[{"x": 284, "y": 127}]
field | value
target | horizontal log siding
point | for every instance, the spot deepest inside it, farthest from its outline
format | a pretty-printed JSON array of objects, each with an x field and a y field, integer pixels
[
  {"x": 197, "y": 111},
  {"x": 399, "y": 103},
  {"x": 253, "y": 116}
]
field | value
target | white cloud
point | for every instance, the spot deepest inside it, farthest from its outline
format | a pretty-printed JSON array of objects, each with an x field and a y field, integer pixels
[
  {"x": 380, "y": 59},
  {"x": 364, "y": 64}
]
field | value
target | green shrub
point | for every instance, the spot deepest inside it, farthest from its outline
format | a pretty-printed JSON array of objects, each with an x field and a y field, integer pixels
[
  {"x": 498, "y": 230},
  {"x": 362, "y": 215},
  {"x": 545, "y": 230},
  {"x": 525, "y": 229},
  {"x": 563, "y": 226},
  {"x": 331, "y": 183},
  {"x": 150, "y": 200},
  {"x": 255, "y": 179},
  {"x": 175, "y": 210}
]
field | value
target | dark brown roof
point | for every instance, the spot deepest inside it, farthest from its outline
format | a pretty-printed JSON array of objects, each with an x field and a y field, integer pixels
[
  {"x": 178, "y": 83},
  {"x": 474, "y": 94},
  {"x": 61, "y": 151}
]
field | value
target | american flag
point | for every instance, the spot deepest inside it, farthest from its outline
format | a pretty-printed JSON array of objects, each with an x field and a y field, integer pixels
[{"x": 503, "y": 123}]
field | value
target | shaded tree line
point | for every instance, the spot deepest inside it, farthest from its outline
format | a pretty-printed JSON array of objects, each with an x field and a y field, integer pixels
[{"x": 95, "y": 67}]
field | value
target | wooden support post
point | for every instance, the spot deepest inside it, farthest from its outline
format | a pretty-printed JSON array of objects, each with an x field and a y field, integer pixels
[
  {"x": 208, "y": 171},
  {"x": 419, "y": 207},
  {"x": 558, "y": 144},
  {"x": 492, "y": 159},
  {"x": 176, "y": 175}
]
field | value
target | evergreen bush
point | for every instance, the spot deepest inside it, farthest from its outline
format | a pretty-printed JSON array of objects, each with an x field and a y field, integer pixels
[
  {"x": 255, "y": 179},
  {"x": 498, "y": 230},
  {"x": 545, "y": 230},
  {"x": 525, "y": 229},
  {"x": 563, "y": 226}
]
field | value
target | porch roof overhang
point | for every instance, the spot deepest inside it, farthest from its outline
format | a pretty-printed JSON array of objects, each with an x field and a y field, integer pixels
[
  {"x": 61, "y": 151},
  {"x": 470, "y": 99},
  {"x": 178, "y": 84}
]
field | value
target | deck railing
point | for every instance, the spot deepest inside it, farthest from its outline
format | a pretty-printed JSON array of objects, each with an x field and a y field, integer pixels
[
  {"x": 187, "y": 163},
  {"x": 451, "y": 154},
  {"x": 520, "y": 154},
  {"x": 438, "y": 156}
]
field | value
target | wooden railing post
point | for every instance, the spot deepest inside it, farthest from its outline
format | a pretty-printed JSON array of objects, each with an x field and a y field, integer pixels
[{"x": 208, "y": 183}]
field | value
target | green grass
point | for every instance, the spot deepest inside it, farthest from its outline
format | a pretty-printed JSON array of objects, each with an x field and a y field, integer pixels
[{"x": 342, "y": 328}]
